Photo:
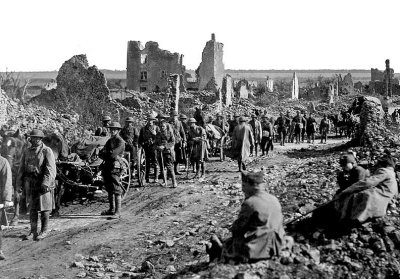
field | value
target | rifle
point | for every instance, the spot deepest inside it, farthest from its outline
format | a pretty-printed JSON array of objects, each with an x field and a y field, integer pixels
[
  {"x": 349, "y": 191},
  {"x": 163, "y": 169}
]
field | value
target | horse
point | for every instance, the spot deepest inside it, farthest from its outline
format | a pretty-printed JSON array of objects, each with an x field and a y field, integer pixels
[{"x": 12, "y": 148}]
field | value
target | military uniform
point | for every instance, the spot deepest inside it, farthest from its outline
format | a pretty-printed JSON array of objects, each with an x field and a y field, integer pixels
[
  {"x": 197, "y": 147},
  {"x": 311, "y": 129},
  {"x": 256, "y": 129},
  {"x": 282, "y": 128},
  {"x": 5, "y": 191},
  {"x": 165, "y": 138},
  {"x": 298, "y": 126},
  {"x": 147, "y": 139},
  {"x": 180, "y": 142},
  {"x": 111, "y": 154},
  {"x": 267, "y": 132},
  {"x": 102, "y": 132},
  {"x": 37, "y": 175},
  {"x": 324, "y": 129},
  {"x": 131, "y": 137},
  {"x": 258, "y": 231}
]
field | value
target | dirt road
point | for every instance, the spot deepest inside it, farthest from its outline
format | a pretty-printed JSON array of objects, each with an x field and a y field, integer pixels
[{"x": 166, "y": 227}]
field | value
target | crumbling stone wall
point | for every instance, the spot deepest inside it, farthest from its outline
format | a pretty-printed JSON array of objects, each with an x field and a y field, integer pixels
[
  {"x": 211, "y": 70},
  {"x": 227, "y": 91},
  {"x": 243, "y": 89},
  {"x": 377, "y": 75},
  {"x": 148, "y": 68}
]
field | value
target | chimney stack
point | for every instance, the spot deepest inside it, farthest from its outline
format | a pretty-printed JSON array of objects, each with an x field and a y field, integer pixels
[{"x": 212, "y": 37}]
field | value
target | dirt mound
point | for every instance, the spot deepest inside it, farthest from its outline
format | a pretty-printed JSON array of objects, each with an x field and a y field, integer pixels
[{"x": 82, "y": 89}]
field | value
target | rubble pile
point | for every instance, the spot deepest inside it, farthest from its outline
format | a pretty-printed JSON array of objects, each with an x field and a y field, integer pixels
[
  {"x": 80, "y": 88},
  {"x": 27, "y": 117}
]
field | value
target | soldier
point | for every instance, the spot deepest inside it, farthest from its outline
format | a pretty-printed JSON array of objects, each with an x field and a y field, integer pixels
[
  {"x": 351, "y": 172},
  {"x": 219, "y": 122},
  {"x": 112, "y": 169},
  {"x": 183, "y": 119},
  {"x": 233, "y": 123},
  {"x": 303, "y": 130},
  {"x": 104, "y": 131},
  {"x": 311, "y": 124},
  {"x": 199, "y": 116},
  {"x": 147, "y": 138},
  {"x": 165, "y": 143},
  {"x": 324, "y": 128},
  {"x": 130, "y": 135},
  {"x": 256, "y": 128},
  {"x": 242, "y": 142},
  {"x": 37, "y": 175},
  {"x": 5, "y": 192},
  {"x": 267, "y": 132},
  {"x": 298, "y": 126},
  {"x": 197, "y": 146},
  {"x": 258, "y": 231},
  {"x": 180, "y": 141},
  {"x": 282, "y": 128}
]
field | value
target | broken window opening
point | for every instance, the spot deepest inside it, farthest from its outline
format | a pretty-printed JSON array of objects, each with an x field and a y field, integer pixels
[
  {"x": 143, "y": 89},
  {"x": 143, "y": 58},
  {"x": 143, "y": 76}
]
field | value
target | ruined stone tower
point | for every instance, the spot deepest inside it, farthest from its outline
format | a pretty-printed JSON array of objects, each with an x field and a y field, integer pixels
[
  {"x": 148, "y": 68},
  {"x": 211, "y": 70}
]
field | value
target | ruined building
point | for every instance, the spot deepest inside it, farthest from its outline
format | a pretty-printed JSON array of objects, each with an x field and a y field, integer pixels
[
  {"x": 227, "y": 91},
  {"x": 149, "y": 68},
  {"x": 384, "y": 82},
  {"x": 211, "y": 70}
]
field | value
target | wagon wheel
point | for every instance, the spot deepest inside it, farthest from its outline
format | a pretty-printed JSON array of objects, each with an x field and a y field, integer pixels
[
  {"x": 141, "y": 166},
  {"x": 126, "y": 178}
]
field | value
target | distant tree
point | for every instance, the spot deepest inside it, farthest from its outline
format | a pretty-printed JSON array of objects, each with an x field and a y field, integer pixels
[{"x": 13, "y": 85}]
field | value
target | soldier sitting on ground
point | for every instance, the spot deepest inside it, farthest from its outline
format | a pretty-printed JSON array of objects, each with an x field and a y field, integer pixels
[
  {"x": 258, "y": 232},
  {"x": 351, "y": 172},
  {"x": 362, "y": 201}
]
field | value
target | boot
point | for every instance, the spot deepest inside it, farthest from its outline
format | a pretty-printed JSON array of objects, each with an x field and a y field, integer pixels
[
  {"x": 34, "y": 220},
  {"x": 45, "y": 225},
  {"x": 202, "y": 170},
  {"x": 2, "y": 257},
  {"x": 240, "y": 166},
  {"x": 243, "y": 166},
  {"x": 173, "y": 178},
  {"x": 110, "y": 211},
  {"x": 176, "y": 169},
  {"x": 214, "y": 248},
  {"x": 156, "y": 175},
  {"x": 118, "y": 201},
  {"x": 197, "y": 170}
]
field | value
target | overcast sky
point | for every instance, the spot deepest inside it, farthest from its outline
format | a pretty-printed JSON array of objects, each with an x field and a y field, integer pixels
[{"x": 257, "y": 34}]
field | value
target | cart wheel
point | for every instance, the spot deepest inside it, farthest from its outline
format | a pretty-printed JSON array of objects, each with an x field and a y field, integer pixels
[
  {"x": 126, "y": 178},
  {"x": 141, "y": 167}
]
